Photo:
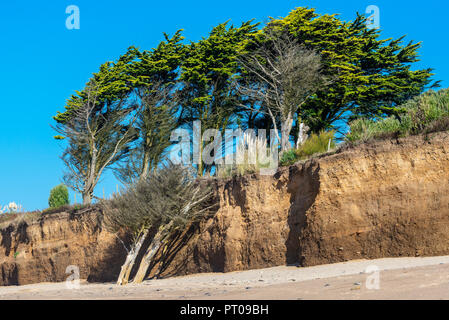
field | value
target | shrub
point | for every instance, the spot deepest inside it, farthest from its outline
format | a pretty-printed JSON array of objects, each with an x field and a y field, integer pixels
[
  {"x": 365, "y": 129},
  {"x": 289, "y": 157},
  {"x": 315, "y": 144},
  {"x": 59, "y": 196},
  {"x": 166, "y": 202},
  {"x": 169, "y": 195},
  {"x": 426, "y": 113}
]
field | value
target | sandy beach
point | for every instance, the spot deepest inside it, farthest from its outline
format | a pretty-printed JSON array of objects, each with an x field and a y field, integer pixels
[{"x": 396, "y": 278}]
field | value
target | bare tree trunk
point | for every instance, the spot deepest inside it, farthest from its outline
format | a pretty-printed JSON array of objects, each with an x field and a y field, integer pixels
[
  {"x": 285, "y": 133},
  {"x": 127, "y": 267},
  {"x": 87, "y": 196},
  {"x": 302, "y": 135},
  {"x": 155, "y": 245}
]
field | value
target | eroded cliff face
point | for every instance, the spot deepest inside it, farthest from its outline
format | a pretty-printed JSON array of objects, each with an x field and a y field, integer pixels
[
  {"x": 382, "y": 199},
  {"x": 42, "y": 251}
]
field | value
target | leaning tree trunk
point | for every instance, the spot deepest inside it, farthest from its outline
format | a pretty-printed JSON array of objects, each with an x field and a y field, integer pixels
[
  {"x": 127, "y": 267},
  {"x": 155, "y": 245}
]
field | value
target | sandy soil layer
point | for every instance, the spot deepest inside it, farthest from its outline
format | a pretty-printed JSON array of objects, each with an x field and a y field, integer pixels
[{"x": 399, "y": 278}]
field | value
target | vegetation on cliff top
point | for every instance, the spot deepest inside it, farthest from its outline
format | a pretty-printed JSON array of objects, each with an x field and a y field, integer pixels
[{"x": 424, "y": 114}]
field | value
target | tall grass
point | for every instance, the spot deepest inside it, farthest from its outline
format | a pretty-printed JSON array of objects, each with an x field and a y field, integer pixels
[
  {"x": 247, "y": 159},
  {"x": 426, "y": 113}
]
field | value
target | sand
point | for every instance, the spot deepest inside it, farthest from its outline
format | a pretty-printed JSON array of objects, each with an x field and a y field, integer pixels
[{"x": 398, "y": 278}]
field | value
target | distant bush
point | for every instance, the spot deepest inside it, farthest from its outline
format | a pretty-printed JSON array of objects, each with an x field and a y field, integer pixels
[
  {"x": 424, "y": 114},
  {"x": 315, "y": 144},
  {"x": 59, "y": 196}
]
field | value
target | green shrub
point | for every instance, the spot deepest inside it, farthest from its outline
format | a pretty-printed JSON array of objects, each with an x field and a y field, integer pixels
[
  {"x": 288, "y": 158},
  {"x": 315, "y": 144},
  {"x": 59, "y": 196},
  {"x": 426, "y": 113}
]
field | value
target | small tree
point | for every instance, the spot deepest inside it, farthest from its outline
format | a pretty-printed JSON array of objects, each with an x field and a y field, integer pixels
[
  {"x": 97, "y": 134},
  {"x": 59, "y": 196},
  {"x": 167, "y": 200}
]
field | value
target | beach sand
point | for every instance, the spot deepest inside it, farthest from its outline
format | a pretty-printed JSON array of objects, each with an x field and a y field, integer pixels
[{"x": 397, "y": 278}]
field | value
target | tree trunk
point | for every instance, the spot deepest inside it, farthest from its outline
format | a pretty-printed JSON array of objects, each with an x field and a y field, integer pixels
[
  {"x": 157, "y": 242},
  {"x": 146, "y": 159},
  {"x": 302, "y": 134},
  {"x": 87, "y": 198},
  {"x": 126, "y": 269},
  {"x": 286, "y": 128},
  {"x": 200, "y": 162}
]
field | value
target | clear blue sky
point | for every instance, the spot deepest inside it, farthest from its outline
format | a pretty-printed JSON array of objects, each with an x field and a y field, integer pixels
[{"x": 42, "y": 63}]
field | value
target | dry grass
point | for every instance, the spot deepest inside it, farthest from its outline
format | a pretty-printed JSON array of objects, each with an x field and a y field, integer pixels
[
  {"x": 17, "y": 218},
  {"x": 8, "y": 219}
]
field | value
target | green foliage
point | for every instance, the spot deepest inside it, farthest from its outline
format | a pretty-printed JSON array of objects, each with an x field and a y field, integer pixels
[
  {"x": 315, "y": 144},
  {"x": 157, "y": 100},
  {"x": 59, "y": 196},
  {"x": 367, "y": 129},
  {"x": 369, "y": 78},
  {"x": 426, "y": 113},
  {"x": 289, "y": 157},
  {"x": 373, "y": 76},
  {"x": 206, "y": 74},
  {"x": 134, "y": 69}
]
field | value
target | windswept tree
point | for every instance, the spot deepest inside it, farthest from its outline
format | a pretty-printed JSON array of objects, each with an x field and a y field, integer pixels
[
  {"x": 206, "y": 76},
  {"x": 157, "y": 106},
  {"x": 281, "y": 74},
  {"x": 156, "y": 118},
  {"x": 96, "y": 136},
  {"x": 167, "y": 200}
]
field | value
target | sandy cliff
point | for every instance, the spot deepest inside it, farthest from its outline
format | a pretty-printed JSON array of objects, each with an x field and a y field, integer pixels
[
  {"x": 381, "y": 199},
  {"x": 42, "y": 251}
]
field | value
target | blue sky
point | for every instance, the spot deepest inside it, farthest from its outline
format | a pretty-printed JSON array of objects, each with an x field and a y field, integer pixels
[{"x": 42, "y": 63}]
